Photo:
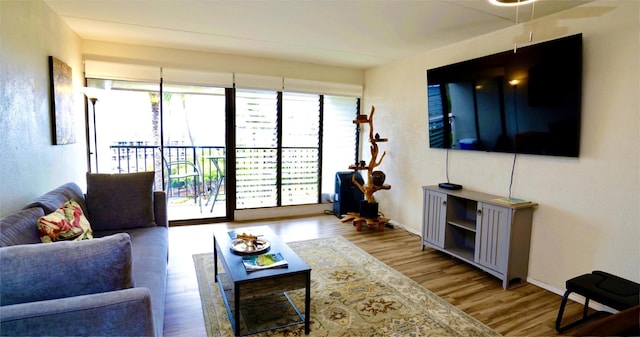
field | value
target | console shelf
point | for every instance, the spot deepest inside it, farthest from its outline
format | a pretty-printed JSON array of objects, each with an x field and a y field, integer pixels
[
  {"x": 464, "y": 224},
  {"x": 476, "y": 228}
]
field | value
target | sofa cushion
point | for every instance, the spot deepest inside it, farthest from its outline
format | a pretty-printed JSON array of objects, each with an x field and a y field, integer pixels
[
  {"x": 66, "y": 268},
  {"x": 66, "y": 223},
  {"x": 51, "y": 200},
  {"x": 20, "y": 228},
  {"x": 150, "y": 253},
  {"x": 120, "y": 201}
]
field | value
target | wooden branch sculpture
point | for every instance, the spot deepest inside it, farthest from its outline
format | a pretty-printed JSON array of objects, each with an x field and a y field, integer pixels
[
  {"x": 369, "y": 214},
  {"x": 369, "y": 188}
]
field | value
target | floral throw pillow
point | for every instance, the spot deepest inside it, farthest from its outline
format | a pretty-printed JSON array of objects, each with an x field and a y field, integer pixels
[{"x": 67, "y": 223}]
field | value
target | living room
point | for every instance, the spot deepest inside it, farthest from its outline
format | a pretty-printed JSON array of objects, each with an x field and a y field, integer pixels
[{"x": 582, "y": 223}]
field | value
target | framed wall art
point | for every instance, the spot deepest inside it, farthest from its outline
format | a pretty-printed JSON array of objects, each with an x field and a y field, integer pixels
[{"x": 61, "y": 79}]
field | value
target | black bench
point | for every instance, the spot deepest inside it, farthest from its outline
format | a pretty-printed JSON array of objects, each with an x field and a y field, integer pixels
[{"x": 604, "y": 288}]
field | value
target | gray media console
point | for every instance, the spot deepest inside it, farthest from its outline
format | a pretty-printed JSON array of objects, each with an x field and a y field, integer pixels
[{"x": 479, "y": 229}]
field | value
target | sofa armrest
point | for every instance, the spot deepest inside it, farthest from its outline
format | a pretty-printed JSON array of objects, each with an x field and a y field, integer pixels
[
  {"x": 160, "y": 208},
  {"x": 117, "y": 313},
  {"x": 46, "y": 271}
]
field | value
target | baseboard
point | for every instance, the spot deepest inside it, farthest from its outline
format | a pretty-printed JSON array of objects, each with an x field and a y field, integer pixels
[
  {"x": 408, "y": 229},
  {"x": 573, "y": 296},
  {"x": 278, "y": 212}
]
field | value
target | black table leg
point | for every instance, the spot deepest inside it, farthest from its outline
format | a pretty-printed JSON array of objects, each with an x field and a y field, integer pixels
[
  {"x": 307, "y": 304},
  {"x": 236, "y": 304},
  {"x": 215, "y": 260}
]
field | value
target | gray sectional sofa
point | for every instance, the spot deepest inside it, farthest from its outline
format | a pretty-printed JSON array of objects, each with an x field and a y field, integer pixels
[{"x": 111, "y": 285}]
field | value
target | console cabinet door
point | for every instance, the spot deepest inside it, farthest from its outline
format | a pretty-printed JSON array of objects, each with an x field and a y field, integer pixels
[
  {"x": 434, "y": 218},
  {"x": 492, "y": 237}
]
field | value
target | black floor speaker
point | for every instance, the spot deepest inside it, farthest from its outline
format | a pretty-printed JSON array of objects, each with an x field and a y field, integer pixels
[{"x": 347, "y": 195}]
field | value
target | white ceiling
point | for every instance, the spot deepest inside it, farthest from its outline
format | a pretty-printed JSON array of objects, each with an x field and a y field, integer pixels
[{"x": 347, "y": 33}]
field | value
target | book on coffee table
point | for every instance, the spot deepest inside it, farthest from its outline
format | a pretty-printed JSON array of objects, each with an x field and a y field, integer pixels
[{"x": 264, "y": 261}]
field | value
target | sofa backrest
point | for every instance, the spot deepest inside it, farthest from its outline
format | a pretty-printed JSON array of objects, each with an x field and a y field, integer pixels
[
  {"x": 20, "y": 228},
  {"x": 52, "y": 200}
]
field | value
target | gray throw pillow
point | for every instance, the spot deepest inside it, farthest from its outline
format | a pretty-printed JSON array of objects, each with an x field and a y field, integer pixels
[
  {"x": 120, "y": 201},
  {"x": 41, "y": 272}
]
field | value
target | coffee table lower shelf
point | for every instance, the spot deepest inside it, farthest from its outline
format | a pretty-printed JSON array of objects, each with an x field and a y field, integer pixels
[
  {"x": 226, "y": 289},
  {"x": 259, "y": 300}
]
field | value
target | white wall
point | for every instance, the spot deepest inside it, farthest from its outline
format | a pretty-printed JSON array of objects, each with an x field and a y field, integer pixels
[
  {"x": 588, "y": 216},
  {"x": 29, "y": 163}
]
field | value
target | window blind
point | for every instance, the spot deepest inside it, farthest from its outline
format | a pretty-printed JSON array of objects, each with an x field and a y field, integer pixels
[
  {"x": 138, "y": 72},
  {"x": 323, "y": 88},
  {"x": 249, "y": 81},
  {"x": 339, "y": 140},
  {"x": 197, "y": 77},
  {"x": 120, "y": 71}
]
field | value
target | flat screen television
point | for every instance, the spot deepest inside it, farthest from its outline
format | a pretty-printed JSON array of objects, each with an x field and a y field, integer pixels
[{"x": 527, "y": 101}]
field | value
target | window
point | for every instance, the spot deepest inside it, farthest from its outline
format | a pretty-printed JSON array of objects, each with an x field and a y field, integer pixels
[
  {"x": 339, "y": 138},
  {"x": 288, "y": 144},
  {"x": 128, "y": 137},
  {"x": 279, "y": 152},
  {"x": 300, "y": 149},
  {"x": 256, "y": 149}
]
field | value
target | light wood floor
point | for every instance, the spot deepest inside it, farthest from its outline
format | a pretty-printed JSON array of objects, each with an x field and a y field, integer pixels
[{"x": 522, "y": 310}]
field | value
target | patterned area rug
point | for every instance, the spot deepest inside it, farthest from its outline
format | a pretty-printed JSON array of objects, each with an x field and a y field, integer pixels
[{"x": 352, "y": 294}]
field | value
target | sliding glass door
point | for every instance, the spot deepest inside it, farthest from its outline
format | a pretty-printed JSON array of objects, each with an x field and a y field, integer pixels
[
  {"x": 177, "y": 131},
  {"x": 124, "y": 127},
  {"x": 194, "y": 150}
]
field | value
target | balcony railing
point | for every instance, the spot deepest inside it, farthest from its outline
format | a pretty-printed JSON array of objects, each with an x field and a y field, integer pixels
[
  {"x": 256, "y": 172},
  {"x": 128, "y": 157}
]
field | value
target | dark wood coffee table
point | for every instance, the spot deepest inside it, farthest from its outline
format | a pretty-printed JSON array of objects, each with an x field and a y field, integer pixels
[{"x": 245, "y": 285}]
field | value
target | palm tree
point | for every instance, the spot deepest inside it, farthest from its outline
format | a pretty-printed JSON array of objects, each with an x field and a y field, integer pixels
[{"x": 154, "y": 99}]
